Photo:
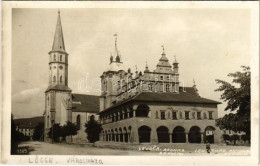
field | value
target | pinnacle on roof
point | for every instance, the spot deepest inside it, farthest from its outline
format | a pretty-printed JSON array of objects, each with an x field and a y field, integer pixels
[
  {"x": 175, "y": 61},
  {"x": 146, "y": 68},
  {"x": 58, "y": 43}
]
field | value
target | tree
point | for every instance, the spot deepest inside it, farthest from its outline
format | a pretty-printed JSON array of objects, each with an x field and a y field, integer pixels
[
  {"x": 226, "y": 137},
  {"x": 56, "y": 132},
  {"x": 38, "y": 132},
  {"x": 238, "y": 99},
  {"x": 69, "y": 129},
  {"x": 93, "y": 129},
  {"x": 235, "y": 137}
]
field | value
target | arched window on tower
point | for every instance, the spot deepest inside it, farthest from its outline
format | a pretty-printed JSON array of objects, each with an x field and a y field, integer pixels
[
  {"x": 48, "y": 102},
  {"x": 78, "y": 122},
  {"x": 54, "y": 57},
  {"x": 54, "y": 78},
  {"x": 61, "y": 79},
  {"x": 60, "y": 57}
]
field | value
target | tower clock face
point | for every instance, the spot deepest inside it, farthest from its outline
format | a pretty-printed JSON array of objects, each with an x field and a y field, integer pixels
[{"x": 61, "y": 67}]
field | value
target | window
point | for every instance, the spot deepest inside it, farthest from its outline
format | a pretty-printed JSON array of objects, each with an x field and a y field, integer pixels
[
  {"x": 150, "y": 87},
  {"x": 54, "y": 57},
  {"x": 161, "y": 77},
  {"x": 210, "y": 115},
  {"x": 61, "y": 67},
  {"x": 168, "y": 77},
  {"x": 229, "y": 131},
  {"x": 60, "y": 78},
  {"x": 187, "y": 115},
  {"x": 60, "y": 57},
  {"x": 48, "y": 101},
  {"x": 162, "y": 114},
  {"x": 167, "y": 88},
  {"x": 174, "y": 115},
  {"x": 198, "y": 115}
]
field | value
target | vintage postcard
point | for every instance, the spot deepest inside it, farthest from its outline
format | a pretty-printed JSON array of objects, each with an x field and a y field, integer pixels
[{"x": 133, "y": 83}]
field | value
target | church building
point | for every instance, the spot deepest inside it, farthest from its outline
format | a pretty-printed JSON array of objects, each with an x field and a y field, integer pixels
[
  {"x": 61, "y": 105},
  {"x": 152, "y": 107}
]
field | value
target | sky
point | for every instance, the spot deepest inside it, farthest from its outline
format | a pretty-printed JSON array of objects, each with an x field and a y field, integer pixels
[{"x": 208, "y": 44}]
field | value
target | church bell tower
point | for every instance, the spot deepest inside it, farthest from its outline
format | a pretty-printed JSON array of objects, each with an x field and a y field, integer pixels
[{"x": 58, "y": 101}]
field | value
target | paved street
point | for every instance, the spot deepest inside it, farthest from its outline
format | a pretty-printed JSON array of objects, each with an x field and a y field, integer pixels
[{"x": 42, "y": 148}]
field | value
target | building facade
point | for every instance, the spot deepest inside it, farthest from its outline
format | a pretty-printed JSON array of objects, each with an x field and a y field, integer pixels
[{"x": 151, "y": 107}]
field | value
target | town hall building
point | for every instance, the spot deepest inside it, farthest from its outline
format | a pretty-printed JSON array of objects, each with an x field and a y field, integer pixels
[
  {"x": 139, "y": 107},
  {"x": 152, "y": 107}
]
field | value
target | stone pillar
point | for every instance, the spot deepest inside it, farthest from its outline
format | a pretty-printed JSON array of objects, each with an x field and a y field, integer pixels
[
  {"x": 124, "y": 117},
  {"x": 170, "y": 134},
  {"x": 187, "y": 137},
  {"x": 129, "y": 141},
  {"x": 118, "y": 115},
  {"x": 202, "y": 137},
  {"x": 154, "y": 138},
  {"x": 123, "y": 137},
  {"x": 128, "y": 114},
  {"x": 115, "y": 137},
  {"x": 134, "y": 113}
]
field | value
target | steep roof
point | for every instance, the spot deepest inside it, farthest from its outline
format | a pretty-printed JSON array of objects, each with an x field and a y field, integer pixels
[
  {"x": 29, "y": 122},
  {"x": 58, "y": 43},
  {"x": 58, "y": 87},
  {"x": 85, "y": 103},
  {"x": 185, "y": 95}
]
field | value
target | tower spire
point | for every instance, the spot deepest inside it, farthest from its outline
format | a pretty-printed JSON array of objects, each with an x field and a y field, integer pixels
[{"x": 58, "y": 43}]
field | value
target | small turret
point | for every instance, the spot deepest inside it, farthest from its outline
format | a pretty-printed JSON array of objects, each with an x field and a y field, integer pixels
[{"x": 175, "y": 66}]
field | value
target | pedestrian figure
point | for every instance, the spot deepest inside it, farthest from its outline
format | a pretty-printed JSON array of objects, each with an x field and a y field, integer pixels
[{"x": 208, "y": 146}]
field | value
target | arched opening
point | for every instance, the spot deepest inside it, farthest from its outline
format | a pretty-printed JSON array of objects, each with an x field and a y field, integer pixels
[
  {"x": 178, "y": 135},
  {"x": 144, "y": 133},
  {"x": 142, "y": 111},
  {"x": 120, "y": 135},
  {"x": 106, "y": 135},
  {"x": 78, "y": 122},
  {"x": 54, "y": 78},
  {"x": 209, "y": 134},
  {"x": 194, "y": 135},
  {"x": 112, "y": 135},
  {"x": 125, "y": 134},
  {"x": 60, "y": 78},
  {"x": 163, "y": 134}
]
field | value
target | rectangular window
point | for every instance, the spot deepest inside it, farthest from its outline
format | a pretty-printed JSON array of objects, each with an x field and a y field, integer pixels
[
  {"x": 187, "y": 115},
  {"x": 174, "y": 115},
  {"x": 167, "y": 88},
  {"x": 210, "y": 115},
  {"x": 198, "y": 115},
  {"x": 162, "y": 114}
]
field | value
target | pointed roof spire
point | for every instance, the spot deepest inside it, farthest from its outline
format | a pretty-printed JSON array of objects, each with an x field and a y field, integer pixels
[
  {"x": 146, "y": 68},
  {"x": 58, "y": 43}
]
